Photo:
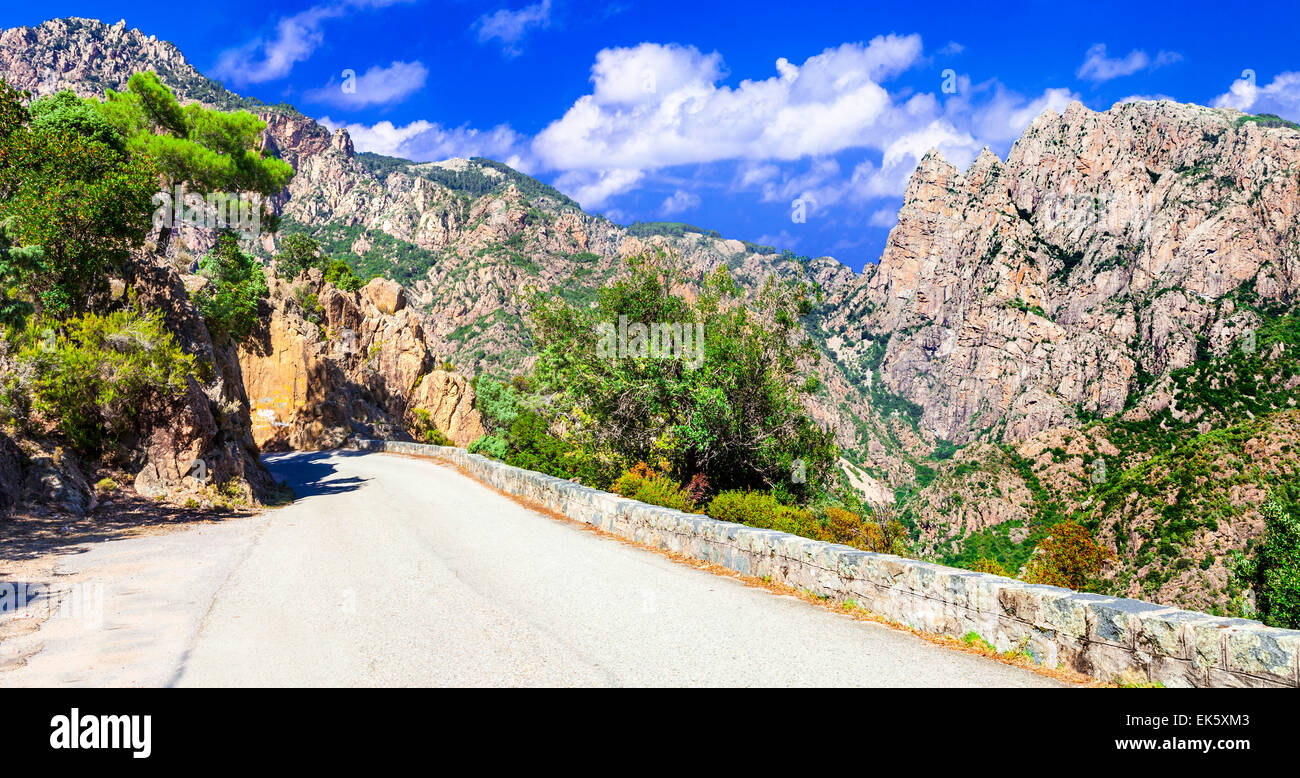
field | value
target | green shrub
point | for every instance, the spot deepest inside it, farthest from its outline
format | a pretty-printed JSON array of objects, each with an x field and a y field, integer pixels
[
  {"x": 425, "y": 430},
  {"x": 726, "y": 400},
  {"x": 341, "y": 275},
  {"x": 91, "y": 375},
  {"x": 497, "y": 402},
  {"x": 762, "y": 510},
  {"x": 298, "y": 253},
  {"x": 67, "y": 188},
  {"x": 1276, "y": 568},
  {"x": 493, "y": 446},
  {"x": 237, "y": 284},
  {"x": 641, "y": 482},
  {"x": 992, "y": 566},
  {"x": 307, "y": 300}
]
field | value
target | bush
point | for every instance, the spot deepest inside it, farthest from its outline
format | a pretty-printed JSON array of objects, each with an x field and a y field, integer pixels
[
  {"x": 992, "y": 566},
  {"x": 643, "y": 483},
  {"x": 424, "y": 430},
  {"x": 1277, "y": 566},
  {"x": 341, "y": 275},
  {"x": 533, "y": 447},
  {"x": 846, "y": 527},
  {"x": 68, "y": 188},
  {"x": 762, "y": 510},
  {"x": 488, "y": 445},
  {"x": 497, "y": 402},
  {"x": 237, "y": 284},
  {"x": 721, "y": 395},
  {"x": 310, "y": 305},
  {"x": 1068, "y": 557},
  {"x": 91, "y": 375},
  {"x": 298, "y": 253}
]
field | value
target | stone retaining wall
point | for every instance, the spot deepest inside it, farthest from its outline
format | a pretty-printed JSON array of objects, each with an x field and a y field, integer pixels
[{"x": 1104, "y": 637}]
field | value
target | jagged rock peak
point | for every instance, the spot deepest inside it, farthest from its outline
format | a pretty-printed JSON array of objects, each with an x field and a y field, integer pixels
[{"x": 341, "y": 141}]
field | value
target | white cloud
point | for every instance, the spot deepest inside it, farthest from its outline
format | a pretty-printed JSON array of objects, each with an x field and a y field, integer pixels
[
  {"x": 510, "y": 27},
  {"x": 884, "y": 217},
  {"x": 1155, "y": 98},
  {"x": 258, "y": 60},
  {"x": 296, "y": 38},
  {"x": 592, "y": 188},
  {"x": 679, "y": 202},
  {"x": 376, "y": 86},
  {"x": 658, "y": 105},
  {"x": 424, "y": 141},
  {"x": 997, "y": 115},
  {"x": 781, "y": 240},
  {"x": 1281, "y": 96},
  {"x": 901, "y": 157},
  {"x": 1098, "y": 67}
]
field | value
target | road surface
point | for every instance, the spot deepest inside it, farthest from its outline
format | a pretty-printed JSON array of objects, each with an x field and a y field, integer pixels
[{"x": 393, "y": 571}]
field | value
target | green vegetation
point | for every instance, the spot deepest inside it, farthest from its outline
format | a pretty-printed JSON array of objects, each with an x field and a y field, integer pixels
[
  {"x": 424, "y": 430},
  {"x": 89, "y": 375},
  {"x": 207, "y": 150},
  {"x": 73, "y": 206},
  {"x": 727, "y": 407},
  {"x": 642, "y": 483},
  {"x": 669, "y": 229},
  {"x": 387, "y": 256},
  {"x": 1274, "y": 571},
  {"x": 1268, "y": 120},
  {"x": 299, "y": 252},
  {"x": 236, "y": 286},
  {"x": 77, "y": 180},
  {"x": 761, "y": 509},
  {"x": 1068, "y": 557}
]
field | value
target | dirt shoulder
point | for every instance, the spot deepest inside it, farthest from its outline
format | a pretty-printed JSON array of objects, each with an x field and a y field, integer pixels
[{"x": 34, "y": 538}]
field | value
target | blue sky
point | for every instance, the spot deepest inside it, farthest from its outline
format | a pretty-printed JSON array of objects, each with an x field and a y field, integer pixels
[{"x": 718, "y": 114}]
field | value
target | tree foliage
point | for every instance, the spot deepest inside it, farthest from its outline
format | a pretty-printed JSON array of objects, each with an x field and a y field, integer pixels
[
  {"x": 298, "y": 253},
  {"x": 208, "y": 149},
  {"x": 1274, "y": 572},
  {"x": 731, "y": 411},
  {"x": 1068, "y": 557},
  {"x": 76, "y": 196},
  {"x": 236, "y": 285}
]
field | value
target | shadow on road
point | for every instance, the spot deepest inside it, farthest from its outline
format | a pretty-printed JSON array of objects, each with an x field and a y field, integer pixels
[
  {"x": 311, "y": 474},
  {"x": 34, "y": 531}
]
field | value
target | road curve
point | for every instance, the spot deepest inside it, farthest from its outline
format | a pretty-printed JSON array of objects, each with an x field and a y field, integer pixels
[{"x": 393, "y": 571}]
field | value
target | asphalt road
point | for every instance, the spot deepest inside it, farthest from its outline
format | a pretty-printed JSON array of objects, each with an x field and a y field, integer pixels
[{"x": 390, "y": 571}]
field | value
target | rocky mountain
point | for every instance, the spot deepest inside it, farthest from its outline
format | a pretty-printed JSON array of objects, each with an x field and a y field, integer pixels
[
  {"x": 327, "y": 364},
  {"x": 1119, "y": 288},
  {"x": 1100, "y": 326}
]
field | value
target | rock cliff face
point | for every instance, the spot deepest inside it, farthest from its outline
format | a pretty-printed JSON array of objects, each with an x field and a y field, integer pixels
[
  {"x": 198, "y": 446},
  {"x": 1018, "y": 296},
  {"x": 327, "y": 364},
  {"x": 211, "y": 422}
]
